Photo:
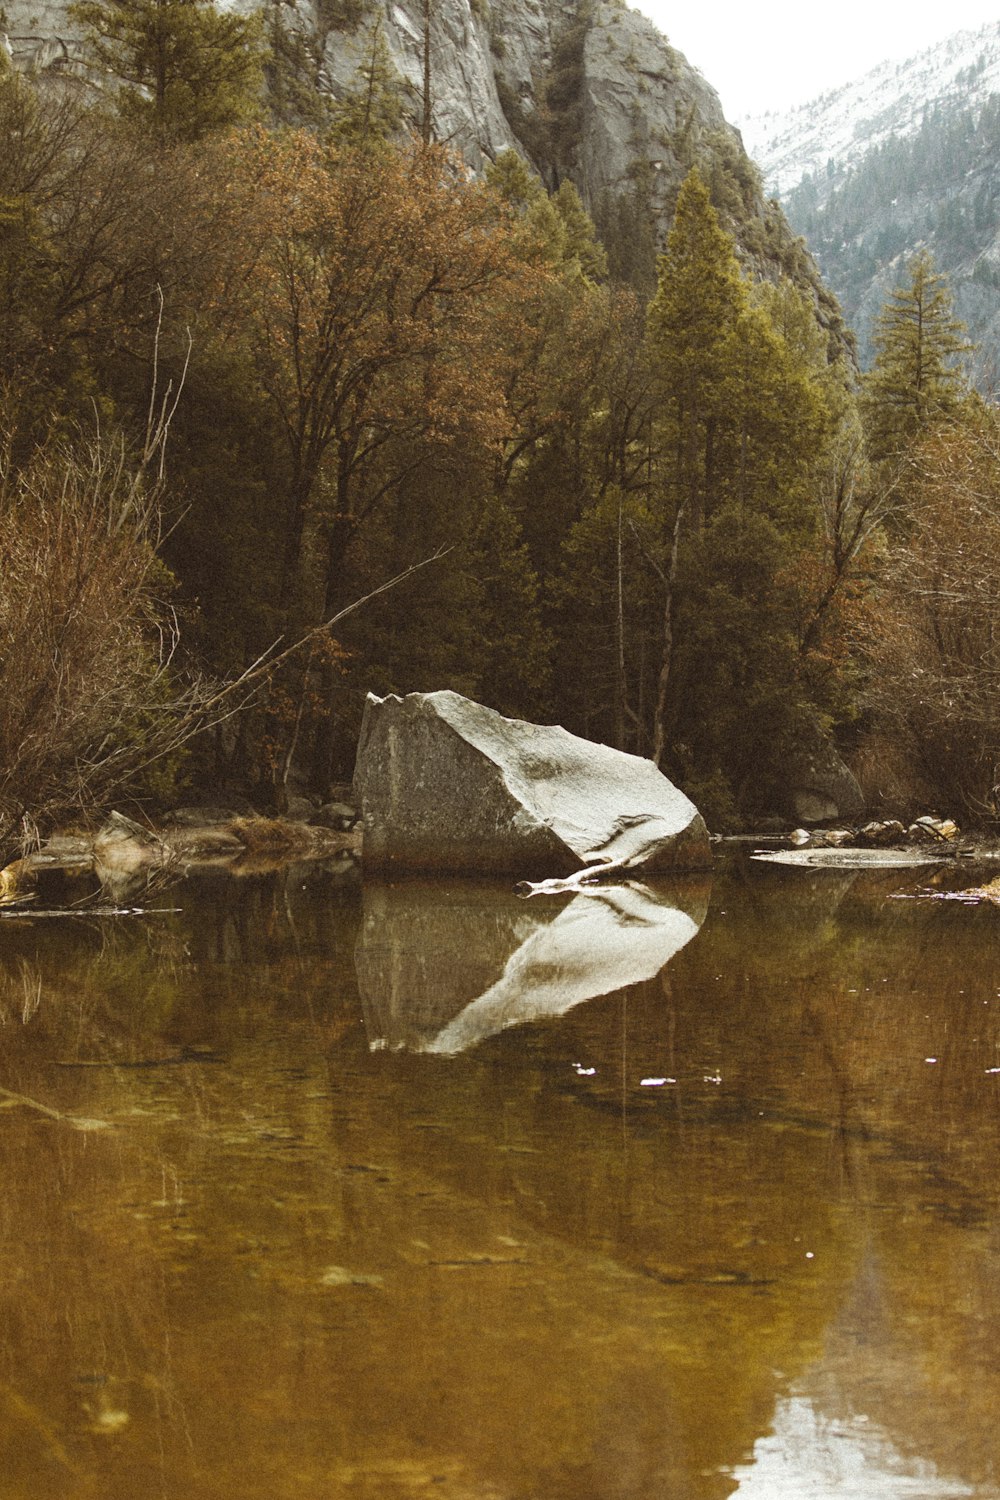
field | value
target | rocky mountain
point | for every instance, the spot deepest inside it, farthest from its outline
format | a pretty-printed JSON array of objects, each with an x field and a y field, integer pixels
[
  {"x": 587, "y": 90},
  {"x": 906, "y": 157},
  {"x": 842, "y": 125}
]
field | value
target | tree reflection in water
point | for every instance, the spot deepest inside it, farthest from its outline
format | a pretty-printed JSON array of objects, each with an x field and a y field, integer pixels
[{"x": 294, "y": 1266}]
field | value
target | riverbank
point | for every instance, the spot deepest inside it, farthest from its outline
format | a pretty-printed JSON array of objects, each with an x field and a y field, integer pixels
[{"x": 124, "y": 857}]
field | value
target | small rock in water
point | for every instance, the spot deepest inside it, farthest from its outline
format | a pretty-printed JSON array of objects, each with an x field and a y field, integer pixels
[
  {"x": 832, "y": 838},
  {"x": 341, "y": 1276},
  {"x": 337, "y": 815},
  {"x": 933, "y": 830},
  {"x": 878, "y": 835},
  {"x": 107, "y": 1421}
]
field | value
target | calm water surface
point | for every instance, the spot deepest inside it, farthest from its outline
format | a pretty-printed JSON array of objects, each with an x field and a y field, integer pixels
[{"x": 687, "y": 1191}]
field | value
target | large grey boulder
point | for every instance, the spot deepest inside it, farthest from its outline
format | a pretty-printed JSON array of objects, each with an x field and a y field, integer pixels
[
  {"x": 821, "y": 788},
  {"x": 448, "y": 786}
]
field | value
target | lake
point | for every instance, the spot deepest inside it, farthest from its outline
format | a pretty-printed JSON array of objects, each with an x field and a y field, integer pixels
[{"x": 673, "y": 1190}]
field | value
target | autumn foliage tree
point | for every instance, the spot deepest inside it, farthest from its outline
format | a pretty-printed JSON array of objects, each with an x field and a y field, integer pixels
[
  {"x": 385, "y": 359},
  {"x": 383, "y": 281},
  {"x": 932, "y": 636},
  {"x": 106, "y": 244},
  {"x": 372, "y": 311}
]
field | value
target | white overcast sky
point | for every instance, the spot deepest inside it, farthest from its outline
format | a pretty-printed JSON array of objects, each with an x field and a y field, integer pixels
[{"x": 760, "y": 57}]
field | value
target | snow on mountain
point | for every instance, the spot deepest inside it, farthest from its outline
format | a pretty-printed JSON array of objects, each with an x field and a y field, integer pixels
[{"x": 844, "y": 123}]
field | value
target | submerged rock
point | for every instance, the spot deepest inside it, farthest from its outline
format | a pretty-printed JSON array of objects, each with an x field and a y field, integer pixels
[
  {"x": 879, "y": 835},
  {"x": 851, "y": 859},
  {"x": 125, "y": 858},
  {"x": 447, "y": 786},
  {"x": 882, "y": 834},
  {"x": 831, "y": 838},
  {"x": 340, "y": 815}
]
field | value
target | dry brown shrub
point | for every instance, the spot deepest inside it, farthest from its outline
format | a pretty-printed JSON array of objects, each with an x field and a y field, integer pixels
[
  {"x": 267, "y": 835},
  {"x": 88, "y": 696},
  {"x": 892, "y": 784},
  {"x": 933, "y": 639}
]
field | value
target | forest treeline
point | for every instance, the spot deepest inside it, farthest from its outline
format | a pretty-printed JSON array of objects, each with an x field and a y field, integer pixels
[{"x": 255, "y": 363}]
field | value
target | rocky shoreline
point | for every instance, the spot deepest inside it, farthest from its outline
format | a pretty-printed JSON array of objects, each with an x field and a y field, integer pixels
[
  {"x": 874, "y": 845},
  {"x": 124, "y": 858}
]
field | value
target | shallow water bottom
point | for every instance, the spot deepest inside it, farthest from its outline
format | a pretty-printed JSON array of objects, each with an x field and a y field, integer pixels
[{"x": 422, "y": 1191}]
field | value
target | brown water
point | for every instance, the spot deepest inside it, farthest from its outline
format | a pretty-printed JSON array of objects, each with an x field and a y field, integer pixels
[{"x": 299, "y": 1201}]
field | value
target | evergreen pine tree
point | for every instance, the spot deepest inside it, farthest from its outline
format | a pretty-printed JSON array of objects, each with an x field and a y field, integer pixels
[
  {"x": 581, "y": 243},
  {"x": 699, "y": 298},
  {"x": 184, "y": 68},
  {"x": 372, "y": 111},
  {"x": 627, "y": 228},
  {"x": 917, "y": 378},
  {"x": 739, "y": 429},
  {"x": 292, "y": 73},
  {"x": 512, "y": 179}
]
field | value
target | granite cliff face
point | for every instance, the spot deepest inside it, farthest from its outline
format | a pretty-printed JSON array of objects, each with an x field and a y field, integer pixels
[
  {"x": 587, "y": 90},
  {"x": 581, "y": 91},
  {"x": 596, "y": 86}
]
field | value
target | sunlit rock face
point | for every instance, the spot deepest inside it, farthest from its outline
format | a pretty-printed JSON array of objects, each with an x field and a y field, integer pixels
[
  {"x": 446, "y": 786},
  {"x": 442, "y": 966},
  {"x": 41, "y": 36},
  {"x": 632, "y": 88},
  {"x": 596, "y": 95},
  {"x": 483, "y": 58}
]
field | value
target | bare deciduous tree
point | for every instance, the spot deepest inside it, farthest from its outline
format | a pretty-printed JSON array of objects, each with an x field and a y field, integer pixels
[{"x": 933, "y": 632}]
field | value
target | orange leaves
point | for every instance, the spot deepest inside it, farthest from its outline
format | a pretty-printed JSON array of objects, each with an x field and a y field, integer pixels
[
  {"x": 933, "y": 646},
  {"x": 372, "y": 317}
]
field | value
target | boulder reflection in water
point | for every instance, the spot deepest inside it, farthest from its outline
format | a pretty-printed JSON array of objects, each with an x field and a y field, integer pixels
[{"x": 443, "y": 965}]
